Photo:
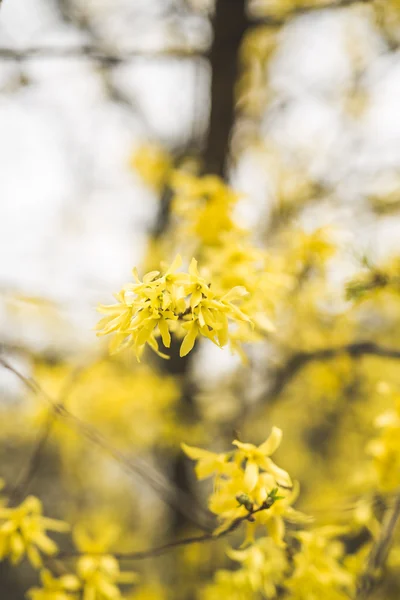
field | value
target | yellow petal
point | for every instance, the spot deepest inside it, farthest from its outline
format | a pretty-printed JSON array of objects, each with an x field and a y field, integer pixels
[
  {"x": 165, "y": 334},
  {"x": 276, "y": 529},
  {"x": 251, "y": 475},
  {"x": 272, "y": 443},
  {"x": 198, "y": 453},
  {"x": 188, "y": 341}
]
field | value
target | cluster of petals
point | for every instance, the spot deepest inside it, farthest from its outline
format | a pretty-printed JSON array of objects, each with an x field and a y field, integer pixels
[
  {"x": 248, "y": 473},
  {"x": 23, "y": 532},
  {"x": 174, "y": 301}
]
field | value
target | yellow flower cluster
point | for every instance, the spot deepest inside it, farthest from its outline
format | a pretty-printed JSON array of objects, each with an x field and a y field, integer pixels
[
  {"x": 247, "y": 480},
  {"x": 263, "y": 568},
  {"x": 100, "y": 577},
  {"x": 318, "y": 572},
  {"x": 53, "y": 588},
  {"x": 204, "y": 205},
  {"x": 142, "y": 412},
  {"x": 97, "y": 574},
  {"x": 153, "y": 164},
  {"x": 170, "y": 302},
  {"x": 23, "y": 531}
]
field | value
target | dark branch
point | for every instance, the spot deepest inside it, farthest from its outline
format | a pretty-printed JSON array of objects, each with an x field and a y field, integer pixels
[
  {"x": 229, "y": 25},
  {"x": 379, "y": 552},
  {"x": 297, "y": 361},
  {"x": 33, "y": 464},
  {"x": 159, "y": 550},
  {"x": 96, "y": 53}
]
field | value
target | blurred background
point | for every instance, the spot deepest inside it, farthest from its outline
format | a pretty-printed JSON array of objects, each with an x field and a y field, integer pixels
[{"x": 297, "y": 106}]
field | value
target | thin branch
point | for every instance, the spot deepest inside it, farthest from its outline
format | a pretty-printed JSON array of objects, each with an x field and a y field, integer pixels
[
  {"x": 285, "y": 374},
  {"x": 159, "y": 550},
  {"x": 181, "y": 502},
  {"x": 379, "y": 552},
  {"x": 98, "y": 54},
  {"x": 33, "y": 464}
]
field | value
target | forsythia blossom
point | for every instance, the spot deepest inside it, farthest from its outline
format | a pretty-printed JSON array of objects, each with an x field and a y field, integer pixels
[
  {"x": 62, "y": 588},
  {"x": 205, "y": 206},
  {"x": 99, "y": 575},
  {"x": 263, "y": 565},
  {"x": 23, "y": 531},
  {"x": 162, "y": 303},
  {"x": 153, "y": 165},
  {"x": 247, "y": 480},
  {"x": 318, "y": 572}
]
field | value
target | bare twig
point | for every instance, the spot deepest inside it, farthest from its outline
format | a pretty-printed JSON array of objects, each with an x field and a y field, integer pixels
[
  {"x": 98, "y": 54},
  {"x": 379, "y": 552},
  {"x": 181, "y": 502},
  {"x": 285, "y": 374},
  {"x": 32, "y": 466},
  {"x": 159, "y": 550}
]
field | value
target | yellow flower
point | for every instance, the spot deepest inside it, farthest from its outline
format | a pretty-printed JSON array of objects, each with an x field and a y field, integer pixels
[
  {"x": 205, "y": 206},
  {"x": 208, "y": 462},
  {"x": 247, "y": 484},
  {"x": 62, "y": 588},
  {"x": 22, "y": 531},
  {"x": 151, "y": 308},
  {"x": 258, "y": 458},
  {"x": 318, "y": 571},
  {"x": 153, "y": 165},
  {"x": 264, "y": 564},
  {"x": 99, "y": 575},
  {"x": 274, "y": 518}
]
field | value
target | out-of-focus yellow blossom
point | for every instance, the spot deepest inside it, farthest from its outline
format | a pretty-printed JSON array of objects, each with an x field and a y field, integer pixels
[
  {"x": 385, "y": 448},
  {"x": 265, "y": 564},
  {"x": 234, "y": 585},
  {"x": 100, "y": 577},
  {"x": 204, "y": 205},
  {"x": 238, "y": 263},
  {"x": 251, "y": 88},
  {"x": 133, "y": 405},
  {"x": 153, "y": 164},
  {"x": 310, "y": 250},
  {"x": 318, "y": 570},
  {"x": 98, "y": 573},
  {"x": 151, "y": 308},
  {"x": 23, "y": 531},
  {"x": 55, "y": 588},
  {"x": 247, "y": 480}
]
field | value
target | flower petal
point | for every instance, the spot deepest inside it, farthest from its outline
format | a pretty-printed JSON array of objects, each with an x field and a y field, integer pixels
[{"x": 272, "y": 443}]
